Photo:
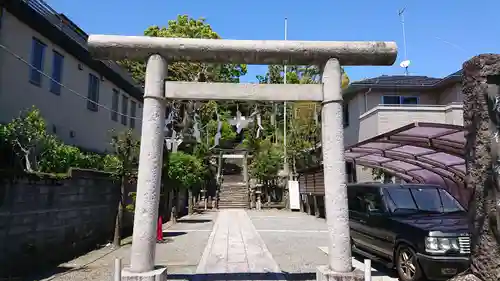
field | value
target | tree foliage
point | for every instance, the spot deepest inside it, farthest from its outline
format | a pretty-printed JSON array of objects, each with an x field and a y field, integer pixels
[
  {"x": 303, "y": 118},
  {"x": 267, "y": 161},
  {"x": 125, "y": 158},
  {"x": 58, "y": 157},
  {"x": 39, "y": 151},
  {"x": 187, "y": 27},
  {"x": 123, "y": 164},
  {"x": 186, "y": 170}
]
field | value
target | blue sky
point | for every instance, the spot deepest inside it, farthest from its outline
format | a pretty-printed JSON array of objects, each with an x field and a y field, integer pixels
[{"x": 441, "y": 34}]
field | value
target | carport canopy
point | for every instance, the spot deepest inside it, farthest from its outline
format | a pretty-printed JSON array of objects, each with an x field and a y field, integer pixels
[{"x": 420, "y": 153}]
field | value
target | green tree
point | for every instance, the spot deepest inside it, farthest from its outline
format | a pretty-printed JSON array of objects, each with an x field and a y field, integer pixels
[
  {"x": 38, "y": 151},
  {"x": 58, "y": 157},
  {"x": 186, "y": 171},
  {"x": 123, "y": 164},
  {"x": 187, "y": 27},
  {"x": 303, "y": 122},
  {"x": 27, "y": 135},
  {"x": 267, "y": 161}
]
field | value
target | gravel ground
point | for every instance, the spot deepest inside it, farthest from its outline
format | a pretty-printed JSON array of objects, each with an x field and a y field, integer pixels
[{"x": 181, "y": 254}]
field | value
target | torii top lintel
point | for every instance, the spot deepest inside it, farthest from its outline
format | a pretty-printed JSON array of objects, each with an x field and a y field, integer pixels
[{"x": 243, "y": 51}]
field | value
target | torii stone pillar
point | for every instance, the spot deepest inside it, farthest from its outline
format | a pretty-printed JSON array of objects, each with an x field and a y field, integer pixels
[
  {"x": 327, "y": 54},
  {"x": 149, "y": 177}
]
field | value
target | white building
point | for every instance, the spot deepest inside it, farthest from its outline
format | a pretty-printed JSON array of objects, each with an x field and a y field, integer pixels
[
  {"x": 95, "y": 97},
  {"x": 378, "y": 105}
]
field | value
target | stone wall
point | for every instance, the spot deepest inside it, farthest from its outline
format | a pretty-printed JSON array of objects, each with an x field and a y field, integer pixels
[{"x": 46, "y": 221}]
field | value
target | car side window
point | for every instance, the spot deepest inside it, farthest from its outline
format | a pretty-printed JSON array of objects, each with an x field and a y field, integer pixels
[
  {"x": 372, "y": 200},
  {"x": 353, "y": 199}
]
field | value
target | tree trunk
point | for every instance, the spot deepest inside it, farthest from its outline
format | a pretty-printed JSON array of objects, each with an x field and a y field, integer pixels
[
  {"x": 481, "y": 153},
  {"x": 167, "y": 188},
  {"x": 119, "y": 215},
  {"x": 190, "y": 202},
  {"x": 175, "y": 206}
]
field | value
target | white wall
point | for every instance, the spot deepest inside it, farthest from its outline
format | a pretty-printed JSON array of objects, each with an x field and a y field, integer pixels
[{"x": 67, "y": 112}]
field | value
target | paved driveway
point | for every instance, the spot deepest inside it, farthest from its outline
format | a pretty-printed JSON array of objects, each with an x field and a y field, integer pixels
[
  {"x": 228, "y": 245},
  {"x": 298, "y": 243}
]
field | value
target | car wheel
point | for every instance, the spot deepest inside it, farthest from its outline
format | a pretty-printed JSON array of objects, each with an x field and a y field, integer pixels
[{"x": 407, "y": 264}]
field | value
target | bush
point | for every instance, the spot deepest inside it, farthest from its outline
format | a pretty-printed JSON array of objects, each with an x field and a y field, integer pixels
[
  {"x": 186, "y": 170},
  {"x": 58, "y": 157},
  {"x": 35, "y": 150}
]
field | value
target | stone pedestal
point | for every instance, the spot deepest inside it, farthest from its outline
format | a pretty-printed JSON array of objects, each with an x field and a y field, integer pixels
[
  {"x": 323, "y": 273},
  {"x": 258, "y": 204},
  {"x": 204, "y": 198},
  {"x": 158, "y": 274}
]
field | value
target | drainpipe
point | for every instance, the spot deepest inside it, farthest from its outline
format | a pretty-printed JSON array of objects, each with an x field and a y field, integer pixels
[{"x": 365, "y": 95}]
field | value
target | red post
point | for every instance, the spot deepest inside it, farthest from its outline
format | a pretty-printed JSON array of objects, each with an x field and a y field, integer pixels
[{"x": 159, "y": 230}]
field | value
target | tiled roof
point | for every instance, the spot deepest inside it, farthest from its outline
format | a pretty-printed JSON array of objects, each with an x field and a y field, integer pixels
[{"x": 398, "y": 80}]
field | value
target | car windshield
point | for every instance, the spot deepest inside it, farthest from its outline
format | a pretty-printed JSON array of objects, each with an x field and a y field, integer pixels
[{"x": 421, "y": 199}]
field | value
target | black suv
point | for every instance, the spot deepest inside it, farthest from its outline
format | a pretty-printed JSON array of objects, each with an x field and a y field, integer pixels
[{"x": 419, "y": 229}]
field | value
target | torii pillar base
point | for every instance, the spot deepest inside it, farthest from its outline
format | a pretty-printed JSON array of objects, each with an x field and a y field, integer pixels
[
  {"x": 323, "y": 273},
  {"x": 158, "y": 274}
]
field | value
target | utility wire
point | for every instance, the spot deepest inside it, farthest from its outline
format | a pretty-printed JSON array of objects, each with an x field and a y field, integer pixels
[
  {"x": 3, "y": 47},
  {"x": 84, "y": 97}
]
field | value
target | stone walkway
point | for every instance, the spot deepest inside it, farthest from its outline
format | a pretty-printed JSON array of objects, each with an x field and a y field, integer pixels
[
  {"x": 228, "y": 245},
  {"x": 235, "y": 250}
]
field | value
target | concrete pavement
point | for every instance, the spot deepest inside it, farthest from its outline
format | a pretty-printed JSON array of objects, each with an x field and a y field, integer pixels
[
  {"x": 235, "y": 250},
  {"x": 228, "y": 245}
]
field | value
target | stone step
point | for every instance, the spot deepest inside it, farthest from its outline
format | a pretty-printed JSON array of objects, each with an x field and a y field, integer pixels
[
  {"x": 234, "y": 191},
  {"x": 233, "y": 206}
]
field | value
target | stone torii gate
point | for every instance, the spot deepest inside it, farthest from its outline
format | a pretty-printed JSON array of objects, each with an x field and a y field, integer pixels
[{"x": 159, "y": 51}]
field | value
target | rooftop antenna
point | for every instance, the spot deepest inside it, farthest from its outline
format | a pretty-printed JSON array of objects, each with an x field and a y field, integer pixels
[{"x": 406, "y": 62}]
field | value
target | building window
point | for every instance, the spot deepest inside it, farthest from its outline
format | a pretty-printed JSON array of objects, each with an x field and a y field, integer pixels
[
  {"x": 37, "y": 60},
  {"x": 133, "y": 113},
  {"x": 399, "y": 100},
  {"x": 93, "y": 94},
  {"x": 114, "y": 105},
  {"x": 345, "y": 114},
  {"x": 57, "y": 66},
  {"x": 124, "y": 110}
]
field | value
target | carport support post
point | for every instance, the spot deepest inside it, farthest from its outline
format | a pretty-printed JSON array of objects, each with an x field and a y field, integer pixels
[
  {"x": 337, "y": 217},
  {"x": 142, "y": 258}
]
